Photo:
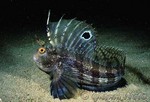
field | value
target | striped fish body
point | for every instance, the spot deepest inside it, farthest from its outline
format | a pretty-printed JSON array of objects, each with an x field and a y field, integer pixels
[{"x": 73, "y": 59}]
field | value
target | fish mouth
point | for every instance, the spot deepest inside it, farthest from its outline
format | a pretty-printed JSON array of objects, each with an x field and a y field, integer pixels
[
  {"x": 45, "y": 68},
  {"x": 38, "y": 63},
  {"x": 35, "y": 58}
]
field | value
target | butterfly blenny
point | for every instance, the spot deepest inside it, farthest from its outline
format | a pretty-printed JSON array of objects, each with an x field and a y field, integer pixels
[{"x": 73, "y": 59}]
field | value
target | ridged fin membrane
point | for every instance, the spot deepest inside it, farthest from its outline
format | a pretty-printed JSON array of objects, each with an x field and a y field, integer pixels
[
  {"x": 97, "y": 88},
  {"x": 114, "y": 56},
  {"x": 63, "y": 85},
  {"x": 105, "y": 69},
  {"x": 72, "y": 35}
]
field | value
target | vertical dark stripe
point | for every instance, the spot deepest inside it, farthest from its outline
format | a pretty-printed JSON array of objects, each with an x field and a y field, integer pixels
[
  {"x": 80, "y": 69},
  {"x": 95, "y": 73}
]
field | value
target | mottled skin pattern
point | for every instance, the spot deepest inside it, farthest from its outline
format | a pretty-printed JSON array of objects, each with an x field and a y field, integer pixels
[{"x": 73, "y": 59}]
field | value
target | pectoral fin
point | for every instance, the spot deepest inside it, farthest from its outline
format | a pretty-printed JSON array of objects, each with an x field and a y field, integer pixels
[{"x": 63, "y": 85}]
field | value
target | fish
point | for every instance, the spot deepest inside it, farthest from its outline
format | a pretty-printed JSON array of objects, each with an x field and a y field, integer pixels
[{"x": 73, "y": 59}]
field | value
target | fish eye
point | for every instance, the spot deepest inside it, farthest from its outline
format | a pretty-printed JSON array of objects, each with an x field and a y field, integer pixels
[{"x": 42, "y": 50}]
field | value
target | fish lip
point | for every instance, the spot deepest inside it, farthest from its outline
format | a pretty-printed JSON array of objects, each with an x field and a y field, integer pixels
[{"x": 35, "y": 59}]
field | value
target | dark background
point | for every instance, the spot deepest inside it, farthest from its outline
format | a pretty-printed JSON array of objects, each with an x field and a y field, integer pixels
[{"x": 107, "y": 13}]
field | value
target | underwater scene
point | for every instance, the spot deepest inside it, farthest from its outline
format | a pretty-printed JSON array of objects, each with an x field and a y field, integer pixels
[{"x": 87, "y": 51}]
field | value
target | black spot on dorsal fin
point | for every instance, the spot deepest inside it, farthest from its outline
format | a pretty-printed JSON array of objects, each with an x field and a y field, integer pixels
[{"x": 86, "y": 35}]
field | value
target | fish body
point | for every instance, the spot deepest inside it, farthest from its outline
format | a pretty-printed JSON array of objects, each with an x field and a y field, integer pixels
[{"x": 74, "y": 60}]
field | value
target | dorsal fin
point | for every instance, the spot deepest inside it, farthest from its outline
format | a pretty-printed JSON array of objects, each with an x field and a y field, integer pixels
[
  {"x": 49, "y": 12},
  {"x": 73, "y": 36},
  {"x": 47, "y": 24}
]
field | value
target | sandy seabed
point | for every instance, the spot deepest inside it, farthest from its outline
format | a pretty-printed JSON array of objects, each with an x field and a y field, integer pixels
[{"x": 22, "y": 81}]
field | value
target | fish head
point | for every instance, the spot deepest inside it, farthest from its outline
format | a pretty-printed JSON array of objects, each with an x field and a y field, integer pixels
[{"x": 45, "y": 58}]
